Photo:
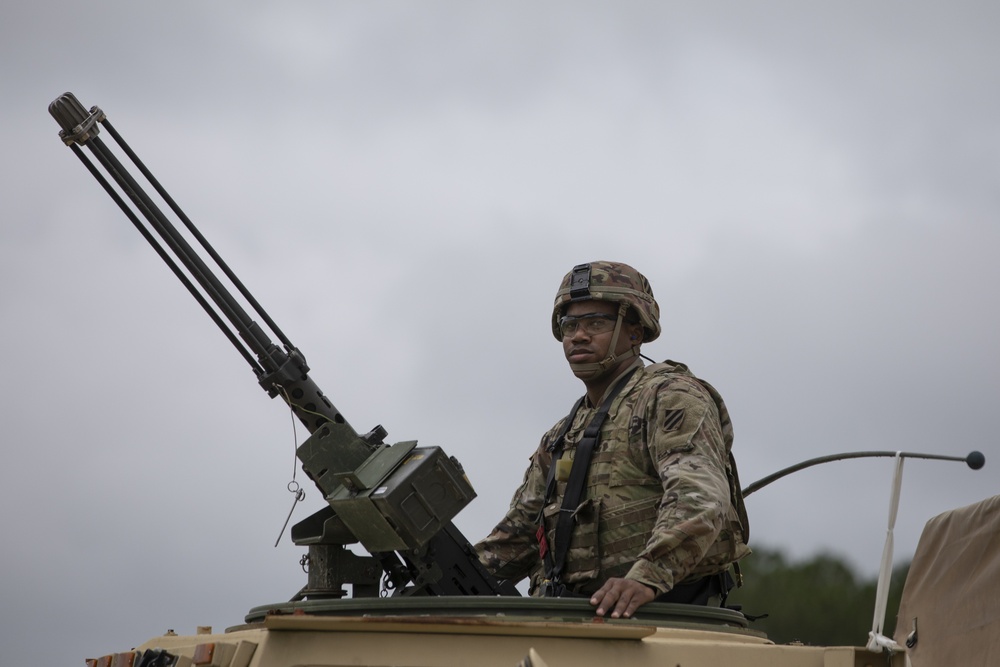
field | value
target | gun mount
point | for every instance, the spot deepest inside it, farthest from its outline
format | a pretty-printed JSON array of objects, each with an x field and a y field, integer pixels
[{"x": 396, "y": 500}]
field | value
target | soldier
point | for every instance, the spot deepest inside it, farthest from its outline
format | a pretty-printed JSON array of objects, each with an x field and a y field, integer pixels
[{"x": 634, "y": 496}]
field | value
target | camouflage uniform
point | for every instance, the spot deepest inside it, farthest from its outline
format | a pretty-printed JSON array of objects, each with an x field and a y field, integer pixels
[
  {"x": 661, "y": 504},
  {"x": 657, "y": 505}
]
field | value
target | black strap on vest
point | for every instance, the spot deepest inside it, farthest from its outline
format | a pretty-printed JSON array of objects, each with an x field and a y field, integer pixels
[{"x": 554, "y": 563}]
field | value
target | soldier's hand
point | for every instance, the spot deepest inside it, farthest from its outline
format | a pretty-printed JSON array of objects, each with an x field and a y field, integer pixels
[{"x": 621, "y": 597}]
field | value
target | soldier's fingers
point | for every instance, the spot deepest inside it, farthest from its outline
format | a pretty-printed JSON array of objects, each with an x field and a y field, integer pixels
[
  {"x": 634, "y": 603},
  {"x": 634, "y": 595},
  {"x": 604, "y": 598},
  {"x": 625, "y": 605}
]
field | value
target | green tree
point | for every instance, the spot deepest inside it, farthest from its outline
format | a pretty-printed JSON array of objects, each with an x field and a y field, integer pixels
[{"x": 820, "y": 601}]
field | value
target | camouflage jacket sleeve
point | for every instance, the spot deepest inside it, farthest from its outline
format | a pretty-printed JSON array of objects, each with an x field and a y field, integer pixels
[
  {"x": 510, "y": 551},
  {"x": 689, "y": 445}
]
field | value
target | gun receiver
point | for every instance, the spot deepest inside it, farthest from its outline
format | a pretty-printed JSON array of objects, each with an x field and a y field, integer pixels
[{"x": 397, "y": 500}]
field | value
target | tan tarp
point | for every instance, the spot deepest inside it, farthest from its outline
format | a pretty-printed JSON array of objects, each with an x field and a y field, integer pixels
[{"x": 953, "y": 590}]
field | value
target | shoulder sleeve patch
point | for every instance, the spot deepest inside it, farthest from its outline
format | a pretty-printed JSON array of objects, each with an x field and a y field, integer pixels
[{"x": 672, "y": 419}]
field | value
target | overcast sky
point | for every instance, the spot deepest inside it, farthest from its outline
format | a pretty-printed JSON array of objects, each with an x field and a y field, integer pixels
[{"x": 812, "y": 192}]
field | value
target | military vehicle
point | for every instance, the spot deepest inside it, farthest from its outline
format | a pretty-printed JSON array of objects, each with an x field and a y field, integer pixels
[{"x": 420, "y": 596}]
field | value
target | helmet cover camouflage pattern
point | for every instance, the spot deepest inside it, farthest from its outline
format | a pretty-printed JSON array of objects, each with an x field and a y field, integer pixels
[{"x": 609, "y": 281}]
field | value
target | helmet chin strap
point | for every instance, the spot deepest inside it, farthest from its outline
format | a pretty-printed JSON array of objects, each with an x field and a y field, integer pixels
[{"x": 592, "y": 371}]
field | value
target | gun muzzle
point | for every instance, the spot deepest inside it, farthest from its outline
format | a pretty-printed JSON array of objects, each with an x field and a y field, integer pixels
[{"x": 78, "y": 125}]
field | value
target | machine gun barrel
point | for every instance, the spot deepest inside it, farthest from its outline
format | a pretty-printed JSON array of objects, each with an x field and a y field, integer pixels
[
  {"x": 388, "y": 497},
  {"x": 279, "y": 371}
]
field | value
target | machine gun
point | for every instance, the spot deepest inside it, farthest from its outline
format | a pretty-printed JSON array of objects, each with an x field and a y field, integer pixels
[{"x": 396, "y": 500}]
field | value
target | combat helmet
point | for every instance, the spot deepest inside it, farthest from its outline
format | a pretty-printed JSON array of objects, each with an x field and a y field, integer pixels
[
  {"x": 609, "y": 281},
  {"x": 615, "y": 282}
]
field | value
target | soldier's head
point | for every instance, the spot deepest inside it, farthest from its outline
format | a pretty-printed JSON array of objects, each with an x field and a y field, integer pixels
[{"x": 603, "y": 312}]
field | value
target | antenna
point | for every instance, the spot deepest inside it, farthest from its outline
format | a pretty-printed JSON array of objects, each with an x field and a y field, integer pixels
[{"x": 974, "y": 460}]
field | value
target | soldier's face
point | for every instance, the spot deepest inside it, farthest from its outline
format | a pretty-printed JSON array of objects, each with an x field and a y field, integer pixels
[{"x": 583, "y": 348}]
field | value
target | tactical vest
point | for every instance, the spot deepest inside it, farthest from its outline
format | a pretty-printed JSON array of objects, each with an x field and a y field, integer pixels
[{"x": 620, "y": 502}]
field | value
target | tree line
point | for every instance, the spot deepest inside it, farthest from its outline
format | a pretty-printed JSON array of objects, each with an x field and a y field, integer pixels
[{"x": 820, "y": 601}]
